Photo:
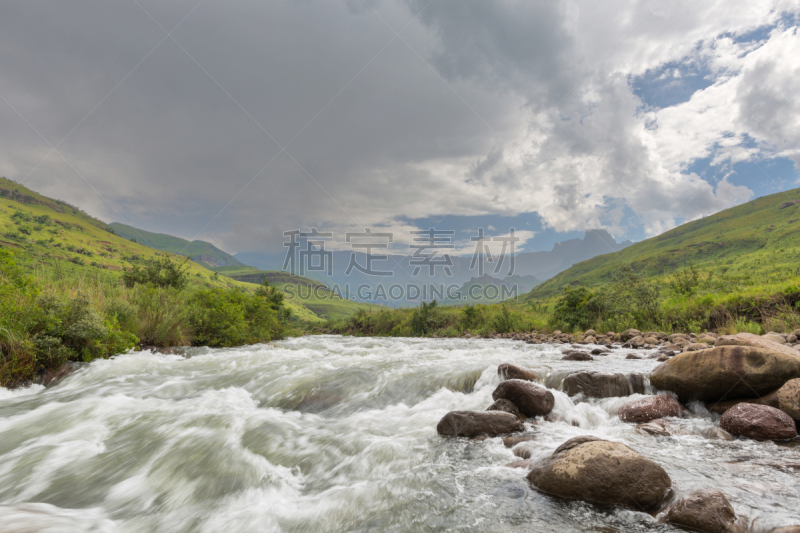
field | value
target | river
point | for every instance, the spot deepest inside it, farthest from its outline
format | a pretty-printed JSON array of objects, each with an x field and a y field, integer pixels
[{"x": 327, "y": 433}]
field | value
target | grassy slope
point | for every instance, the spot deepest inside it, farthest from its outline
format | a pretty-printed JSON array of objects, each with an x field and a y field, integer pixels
[
  {"x": 200, "y": 251},
  {"x": 314, "y": 295},
  {"x": 79, "y": 245},
  {"x": 758, "y": 242}
]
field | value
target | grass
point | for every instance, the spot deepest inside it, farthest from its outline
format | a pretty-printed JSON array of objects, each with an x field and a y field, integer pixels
[
  {"x": 202, "y": 252},
  {"x": 754, "y": 246},
  {"x": 314, "y": 295}
]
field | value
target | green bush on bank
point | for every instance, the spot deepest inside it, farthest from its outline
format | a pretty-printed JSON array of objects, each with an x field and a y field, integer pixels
[{"x": 48, "y": 320}]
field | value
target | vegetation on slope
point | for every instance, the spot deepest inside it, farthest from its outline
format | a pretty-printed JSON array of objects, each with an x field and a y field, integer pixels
[
  {"x": 201, "y": 252},
  {"x": 314, "y": 295},
  {"x": 752, "y": 244},
  {"x": 47, "y": 318}
]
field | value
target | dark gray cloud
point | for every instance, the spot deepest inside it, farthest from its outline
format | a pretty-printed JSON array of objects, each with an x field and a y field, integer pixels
[{"x": 477, "y": 108}]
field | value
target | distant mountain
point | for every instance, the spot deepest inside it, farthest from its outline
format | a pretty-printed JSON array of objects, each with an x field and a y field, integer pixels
[
  {"x": 539, "y": 265},
  {"x": 486, "y": 289},
  {"x": 752, "y": 242},
  {"x": 200, "y": 252}
]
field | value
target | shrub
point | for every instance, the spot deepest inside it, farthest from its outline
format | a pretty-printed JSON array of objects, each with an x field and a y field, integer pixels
[
  {"x": 231, "y": 318},
  {"x": 503, "y": 322},
  {"x": 576, "y": 309},
  {"x": 162, "y": 272},
  {"x": 425, "y": 319}
]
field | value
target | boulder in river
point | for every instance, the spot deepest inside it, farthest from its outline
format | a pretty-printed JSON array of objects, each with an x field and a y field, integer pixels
[
  {"x": 756, "y": 341},
  {"x": 704, "y": 510},
  {"x": 593, "y": 384},
  {"x": 604, "y": 472},
  {"x": 475, "y": 423},
  {"x": 758, "y": 422},
  {"x": 694, "y": 346},
  {"x": 507, "y": 406},
  {"x": 577, "y": 355},
  {"x": 532, "y": 400},
  {"x": 509, "y": 371},
  {"x": 628, "y": 334},
  {"x": 788, "y": 397},
  {"x": 636, "y": 342},
  {"x": 726, "y": 372},
  {"x": 649, "y": 408}
]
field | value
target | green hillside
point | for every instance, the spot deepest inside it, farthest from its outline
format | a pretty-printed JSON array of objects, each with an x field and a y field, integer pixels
[
  {"x": 201, "y": 252},
  {"x": 314, "y": 295},
  {"x": 756, "y": 243},
  {"x": 50, "y": 234}
]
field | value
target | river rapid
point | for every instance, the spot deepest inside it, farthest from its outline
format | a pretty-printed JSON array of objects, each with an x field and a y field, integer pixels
[{"x": 327, "y": 433}]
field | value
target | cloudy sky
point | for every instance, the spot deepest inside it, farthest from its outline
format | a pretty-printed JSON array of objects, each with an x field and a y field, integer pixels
[{"x": 236, "y": 121}]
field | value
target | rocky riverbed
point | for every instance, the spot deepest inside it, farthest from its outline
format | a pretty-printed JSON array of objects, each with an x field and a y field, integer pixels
[{"x": 752, "y": 381}]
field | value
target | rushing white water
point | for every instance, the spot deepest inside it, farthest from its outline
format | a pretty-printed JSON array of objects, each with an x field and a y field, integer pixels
[{"x": 334, "y": 434}]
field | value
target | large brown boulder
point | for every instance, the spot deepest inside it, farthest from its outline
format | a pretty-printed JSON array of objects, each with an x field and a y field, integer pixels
[
  {"x": 475, "y": 423},
  {"x": 604, "y": 472},
  {"x": 756, "y": 341},
  {"x": 630, "y": 333},
  {"x": 703, "y": 510},
  {"x": 509, "y": 371},
  {"x": 788, "y": 397},
  {"x": 532, "y": 399},
  {"x": 758, "y": 422},
  {"x": 650, "y": 408},
  {"x": 727, "y": 372},
  {"x": 593, "y": 384}
]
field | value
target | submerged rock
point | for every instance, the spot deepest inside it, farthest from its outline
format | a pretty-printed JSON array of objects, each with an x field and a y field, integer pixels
[
  {"x": 526, "y": 463},
  {"x": 593, "y": 384},
  {"x": 649, "y": 408},
  {"x": 758, "y": 422},
  {"x": 531, "y": 399},
  {"x": 703, "y": 510},
  {"x": 509, "y": 371},
  {"x": 661, "y": 427},
  {"x": 603, "y": 472},
  {"x": 510, "y": 442},
  {"x": 726, "y": 372},
  {"x": 52, "y": 376},
  {"x": 476, "y": 423}
]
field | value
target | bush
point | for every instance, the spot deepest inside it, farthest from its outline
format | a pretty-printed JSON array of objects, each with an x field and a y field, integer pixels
[
  {"x": 577, "y": 309},
  {"x": 425, "y": 319},
  {"x": 160, "y": 316},
  {"x": 161, "y": 273},
  {"x": 230, "y": 318},
  {"x": 503, "y": 322}
]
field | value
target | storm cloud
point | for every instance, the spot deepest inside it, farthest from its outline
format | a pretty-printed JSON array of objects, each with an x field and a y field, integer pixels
[{"x": 235, "y": 121}]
